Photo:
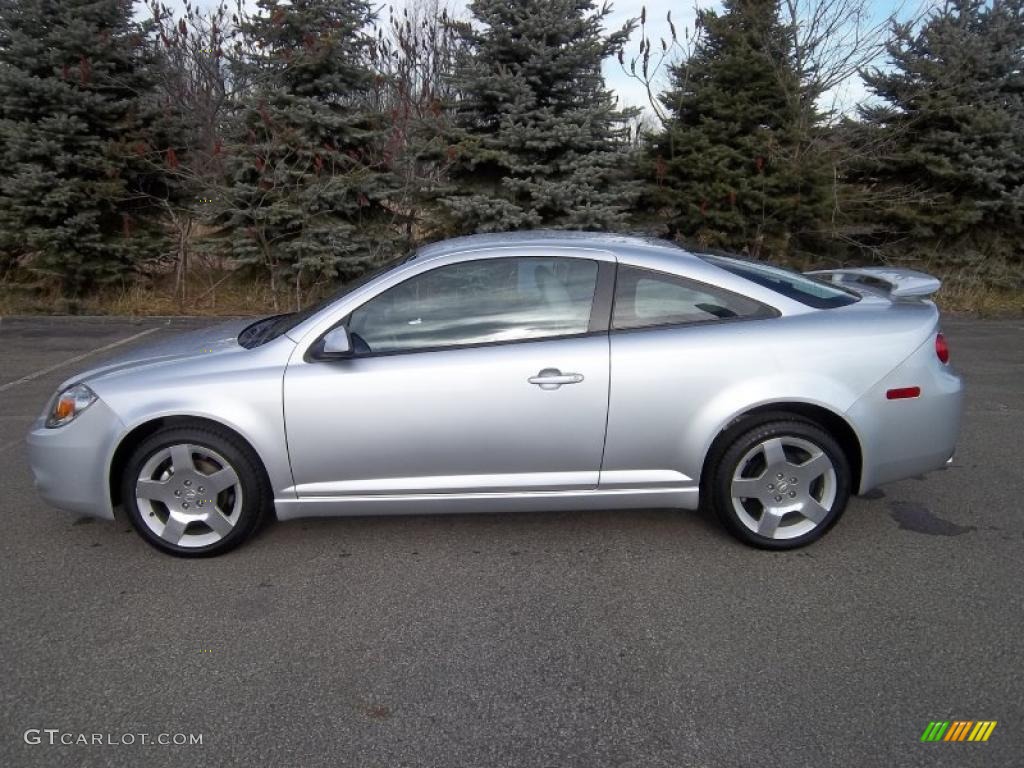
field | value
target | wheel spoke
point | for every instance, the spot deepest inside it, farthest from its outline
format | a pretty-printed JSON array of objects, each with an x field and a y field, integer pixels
[
  {"x": 154, "y": 490},
  {"x": 221, "y": 480},
  {"x": 773, "y": 453},
  {"x": 768, "y": 523},
  {"x": 173, "y": 529},
  {"x": 748, "y": 487},
  {"x": 181, "y": 458},
  {"x": 218, "y": 522},
  {"x": 815, "y": 467},
  {"x": 813, "y": 511}
]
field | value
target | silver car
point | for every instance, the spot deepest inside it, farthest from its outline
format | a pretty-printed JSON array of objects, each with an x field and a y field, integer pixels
[{"x": 526, "y": 371}]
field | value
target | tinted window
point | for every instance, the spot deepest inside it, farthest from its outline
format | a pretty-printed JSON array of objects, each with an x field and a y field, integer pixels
[
  {"x": 792, "y": 285},
  {"x": 646, "y": 298},
  {"x": 476, "y": 302}
]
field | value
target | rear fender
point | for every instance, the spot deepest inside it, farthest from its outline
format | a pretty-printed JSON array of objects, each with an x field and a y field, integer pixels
[
  {"x": 906, "y": 437},
  {"x": 725, "y": 409}
]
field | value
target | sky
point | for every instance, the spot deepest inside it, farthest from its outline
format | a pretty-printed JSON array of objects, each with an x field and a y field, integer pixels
[{"x": 632, "y": 93}]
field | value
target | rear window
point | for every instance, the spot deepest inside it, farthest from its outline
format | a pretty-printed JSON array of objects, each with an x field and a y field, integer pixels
[{"x": 792, "y": 285}]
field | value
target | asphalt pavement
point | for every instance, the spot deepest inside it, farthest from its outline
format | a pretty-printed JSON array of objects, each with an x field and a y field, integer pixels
[{"x": 633, "y": 638}]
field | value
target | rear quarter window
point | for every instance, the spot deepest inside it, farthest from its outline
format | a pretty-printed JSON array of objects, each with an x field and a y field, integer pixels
[
  {"x": 646, "y": 298},
  {"x": 792, "y": 285}
]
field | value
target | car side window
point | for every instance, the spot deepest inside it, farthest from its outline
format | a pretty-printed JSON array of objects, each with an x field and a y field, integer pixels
[
  {"x": 479, "y": 302},
  {"x": 645, "y": 298}
]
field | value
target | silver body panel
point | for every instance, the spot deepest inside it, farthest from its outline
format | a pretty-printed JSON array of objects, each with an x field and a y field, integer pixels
[
  {"x": 462, "y": 429},
  {"x": 455, "y": 420}
]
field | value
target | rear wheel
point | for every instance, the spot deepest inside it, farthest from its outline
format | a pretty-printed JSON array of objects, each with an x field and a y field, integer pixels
[
  {"x": 780, "y": 484},
  {"x": 194, "y": 492}
]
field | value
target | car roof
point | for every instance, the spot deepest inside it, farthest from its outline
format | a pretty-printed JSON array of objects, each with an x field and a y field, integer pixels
[{"x": 553, "y": 237}]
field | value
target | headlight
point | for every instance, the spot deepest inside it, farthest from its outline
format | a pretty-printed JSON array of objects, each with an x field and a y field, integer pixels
[{"x": 69, "y": 403}]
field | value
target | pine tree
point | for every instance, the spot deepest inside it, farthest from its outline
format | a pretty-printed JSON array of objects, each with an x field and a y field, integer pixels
[
  {"x": 73, "y": 110},
  {"x": 539, "y": 139},
  {"x": 732, "y": 167},
  {"x": 951, "y": 123},
  {"x": 307, "y": 189}
]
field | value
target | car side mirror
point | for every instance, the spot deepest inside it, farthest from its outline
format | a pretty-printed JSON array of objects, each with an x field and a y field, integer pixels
[{"x": 336, "y": 345}]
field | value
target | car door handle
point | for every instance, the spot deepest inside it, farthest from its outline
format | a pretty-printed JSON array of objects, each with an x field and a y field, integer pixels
[{"x": 552, "y": 378}]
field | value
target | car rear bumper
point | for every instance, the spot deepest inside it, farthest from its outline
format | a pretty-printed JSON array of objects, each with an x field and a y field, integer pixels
[{"x": 70, "y": 464}]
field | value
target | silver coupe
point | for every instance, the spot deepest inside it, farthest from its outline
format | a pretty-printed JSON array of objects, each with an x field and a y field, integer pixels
[{"x": 525, "y": 371}]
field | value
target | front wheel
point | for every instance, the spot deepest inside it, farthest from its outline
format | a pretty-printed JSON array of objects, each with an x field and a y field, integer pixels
[
  {"x": 781, "y": 484},
  {"x": 194, "y": 492}
]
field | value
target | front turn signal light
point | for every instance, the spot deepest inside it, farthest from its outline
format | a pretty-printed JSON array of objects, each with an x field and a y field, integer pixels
[{"x": 69, "y": 404}]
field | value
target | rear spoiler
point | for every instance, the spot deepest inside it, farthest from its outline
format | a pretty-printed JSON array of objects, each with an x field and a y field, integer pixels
[{"x": 898, "y": 283}]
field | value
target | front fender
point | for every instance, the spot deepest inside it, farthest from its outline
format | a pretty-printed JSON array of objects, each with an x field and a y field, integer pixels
[{"x": 247, "y": 402}]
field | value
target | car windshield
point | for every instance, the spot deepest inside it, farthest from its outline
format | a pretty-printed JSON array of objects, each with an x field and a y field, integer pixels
[
  {"x": 269, "y": 328},
  {"x": 793, "y": 285}
]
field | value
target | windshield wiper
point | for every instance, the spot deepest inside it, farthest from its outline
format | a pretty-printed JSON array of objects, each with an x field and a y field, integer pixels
[{"x": 259, "y": 332}]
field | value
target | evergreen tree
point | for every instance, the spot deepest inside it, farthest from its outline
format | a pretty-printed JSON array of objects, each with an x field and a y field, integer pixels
[
  {"x": 733, "y": 166},
  {"x": 74, "y": 86},
  {"x": 306, "y": 192},
  {"x": 951, "y": 125},
  {"x": 539, "y": 140}
]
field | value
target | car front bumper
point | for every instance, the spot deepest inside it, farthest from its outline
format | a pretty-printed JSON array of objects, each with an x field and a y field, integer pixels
[{"x": 71, "y": 464}]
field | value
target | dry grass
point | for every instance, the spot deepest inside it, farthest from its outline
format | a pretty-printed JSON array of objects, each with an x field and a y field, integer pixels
[
  {"x": 988, "y": 287},
  {"x": 210, "y": 293},
  {"x": 979, "y": 299}
]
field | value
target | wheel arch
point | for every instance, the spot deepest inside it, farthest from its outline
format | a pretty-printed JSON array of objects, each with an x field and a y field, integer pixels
[
  {"x": 134, "y": 437},
  {"x": 836, "y": 425}
]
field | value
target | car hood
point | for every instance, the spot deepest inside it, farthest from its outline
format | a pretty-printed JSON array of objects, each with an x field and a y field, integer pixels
[{"x": 203, "y": 343}]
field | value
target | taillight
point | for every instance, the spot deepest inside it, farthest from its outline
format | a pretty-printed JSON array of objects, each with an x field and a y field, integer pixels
[{"x": 941, "y": 348}]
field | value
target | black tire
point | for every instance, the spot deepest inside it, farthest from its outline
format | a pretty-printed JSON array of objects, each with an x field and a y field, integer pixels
[
  {"x": 213, "y": 447},
  {"x": 746, "y": 438}
]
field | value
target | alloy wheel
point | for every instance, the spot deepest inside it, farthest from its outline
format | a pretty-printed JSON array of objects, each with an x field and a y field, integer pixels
[
  {"x": 783, "y": 487},
  {"x": 189, "y": 495}
]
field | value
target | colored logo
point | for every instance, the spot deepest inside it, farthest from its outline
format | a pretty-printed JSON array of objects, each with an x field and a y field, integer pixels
[{"x": 958, "y": 730}]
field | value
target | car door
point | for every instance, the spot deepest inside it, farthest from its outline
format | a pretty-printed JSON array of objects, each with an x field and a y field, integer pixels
[
  {"x": 489, "y": 374},
  {"x": 676, "y": 346}
]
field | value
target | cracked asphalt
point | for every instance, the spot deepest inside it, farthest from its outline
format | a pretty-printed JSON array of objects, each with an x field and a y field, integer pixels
[{"x": 590, "y": 639}]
